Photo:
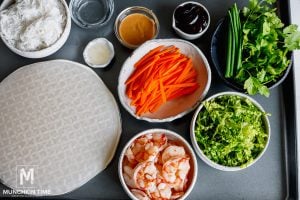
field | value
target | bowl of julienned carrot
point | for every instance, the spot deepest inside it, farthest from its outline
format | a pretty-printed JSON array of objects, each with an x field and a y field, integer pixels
[{"x": 164, "y": 79}]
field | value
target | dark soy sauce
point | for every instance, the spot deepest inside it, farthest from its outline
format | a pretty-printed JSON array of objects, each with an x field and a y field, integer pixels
[{"x": 191, "y": 18}]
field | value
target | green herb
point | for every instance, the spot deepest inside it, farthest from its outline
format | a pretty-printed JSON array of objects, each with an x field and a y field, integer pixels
[
  {"x": 230, "y": 130},
  {"x": 292, "y": 37},
  {"x": 265, "y": 47},
  {"x": 234, "y": 42}
]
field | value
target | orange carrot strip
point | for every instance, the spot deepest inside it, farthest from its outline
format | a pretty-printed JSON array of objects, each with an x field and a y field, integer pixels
[
  {"x": 192, "y": 75},
  {"x": 135, "y": 101},
  {"x": 182, "y": 85},
  {"x": 167, "y": 49},
  {"x": 162, "y": 90},
  {"x": 180, "y": 93},
  {"x": 169, "y": 57},
  {"x": 185, "y": 71},
  {"x": 149, "y": 54},
  {"x": 129, "y": 91},
  {"x": 171, "y": 80},
  {"x": 172, "y": 68},
  {"x": 135, "y": 75},
  {"x": 146, "y": 62},
  {"x": 155, "y": 104}
]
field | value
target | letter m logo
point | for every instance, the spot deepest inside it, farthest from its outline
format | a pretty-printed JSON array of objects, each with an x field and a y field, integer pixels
[{"x": 25, "y": 176}]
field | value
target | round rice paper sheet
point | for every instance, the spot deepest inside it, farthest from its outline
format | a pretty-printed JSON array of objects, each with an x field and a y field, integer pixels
[{"x": 59, "y": 127}]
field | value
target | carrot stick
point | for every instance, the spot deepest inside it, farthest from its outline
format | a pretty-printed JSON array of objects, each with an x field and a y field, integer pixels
[
  {"x": 139, "y": 72},
  {"x": 183, "y": 85},
  {"x": 161, "y": 75},
  {"x": 149, "y": 55},
  {"x": 182, "y": 92},
  {"x": 162, "y": 90}
]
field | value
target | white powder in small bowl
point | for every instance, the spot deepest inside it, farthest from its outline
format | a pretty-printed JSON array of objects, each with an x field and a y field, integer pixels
[{"x": 98, "y": 53}]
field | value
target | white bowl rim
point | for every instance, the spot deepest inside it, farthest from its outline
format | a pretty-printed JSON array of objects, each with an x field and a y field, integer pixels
[
  {"x": 169, "y": 119},
  {"x": 111, "y": 47},
  {"x": 200, "y": 153},
  {"x": 48, "y": 50},
  {"x": 196, "y": 35},
  {"x": 167, "y": 132}
]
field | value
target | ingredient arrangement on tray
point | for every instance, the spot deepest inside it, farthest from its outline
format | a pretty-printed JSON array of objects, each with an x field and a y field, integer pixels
[{"x": 161, "y": 81}]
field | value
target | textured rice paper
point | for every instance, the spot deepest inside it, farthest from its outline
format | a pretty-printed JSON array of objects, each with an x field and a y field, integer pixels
[{"x": 60, "y": 123}]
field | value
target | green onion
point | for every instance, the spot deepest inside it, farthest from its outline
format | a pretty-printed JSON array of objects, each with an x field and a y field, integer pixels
[{"x": 234, "y": 43}]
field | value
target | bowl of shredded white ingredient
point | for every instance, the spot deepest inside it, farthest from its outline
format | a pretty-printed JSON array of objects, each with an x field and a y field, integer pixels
[{"x": 34, "y": 28}]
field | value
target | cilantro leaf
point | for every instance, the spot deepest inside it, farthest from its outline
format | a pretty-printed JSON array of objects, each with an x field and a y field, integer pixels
[
  {"x": 250, "y": 86},
  {"x": 253, "y": 86},
  {"x": 292, "y": 37},
  {"x": 270, "y": 1}
]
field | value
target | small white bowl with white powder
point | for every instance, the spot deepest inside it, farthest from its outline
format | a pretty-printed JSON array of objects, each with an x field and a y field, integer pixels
[
  {"x": 34, "y": 28},
  {"x": 98, "y": 53}
]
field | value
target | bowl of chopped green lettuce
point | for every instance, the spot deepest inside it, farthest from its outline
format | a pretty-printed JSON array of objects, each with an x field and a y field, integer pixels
[{"x": 230, "y": 131}]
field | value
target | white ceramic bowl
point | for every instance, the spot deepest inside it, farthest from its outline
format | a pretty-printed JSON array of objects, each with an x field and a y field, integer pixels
[
  {"x": 188, "y": 36},
  {"x": 47, "y": 51},
  {"x": 176, "y": 108},
  {"x": 171, "y": 136},
  {"x": 200, "y": 152},
  {"x": 99, "y": 41}
]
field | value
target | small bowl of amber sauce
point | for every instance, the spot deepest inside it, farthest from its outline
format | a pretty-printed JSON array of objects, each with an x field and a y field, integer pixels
[
  {"x": 190, "y": 20},
  {"x": 135, "y": 25}
]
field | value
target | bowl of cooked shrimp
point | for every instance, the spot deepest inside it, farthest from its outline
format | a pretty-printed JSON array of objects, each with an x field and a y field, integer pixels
[{"x": 157, "y": 164}]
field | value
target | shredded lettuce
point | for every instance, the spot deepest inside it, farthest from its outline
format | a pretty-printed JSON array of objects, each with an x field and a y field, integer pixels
[{"x": 230, "y": 130}]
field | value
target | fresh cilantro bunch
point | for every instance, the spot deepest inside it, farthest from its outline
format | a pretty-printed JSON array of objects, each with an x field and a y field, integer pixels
[
  {"x": 230, "y": 130},
  {"x": 265, "y": 46}
]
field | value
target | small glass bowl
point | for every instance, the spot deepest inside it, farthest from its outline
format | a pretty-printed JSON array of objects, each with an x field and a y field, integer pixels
[
  {"x": 132, "y": 10},
  {"x": 91, "y": 13}
]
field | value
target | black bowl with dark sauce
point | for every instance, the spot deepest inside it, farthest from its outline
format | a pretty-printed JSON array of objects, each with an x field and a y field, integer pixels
[{"x": 191, "y": 18}]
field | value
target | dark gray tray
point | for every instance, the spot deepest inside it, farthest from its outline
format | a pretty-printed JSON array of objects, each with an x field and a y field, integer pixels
[{"x": 273, "y": 177}]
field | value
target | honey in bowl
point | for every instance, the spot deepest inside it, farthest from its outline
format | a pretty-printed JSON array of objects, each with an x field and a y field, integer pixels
[{"x": 137, "y": 28}]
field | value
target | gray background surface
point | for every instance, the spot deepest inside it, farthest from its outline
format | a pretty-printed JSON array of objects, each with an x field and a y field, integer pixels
[{"x": 264, "y": 180}]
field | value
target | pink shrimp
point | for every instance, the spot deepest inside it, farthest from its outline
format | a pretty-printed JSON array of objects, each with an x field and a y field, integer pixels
[
  {"x": 140, "y": 194},
  {"x": 160, "y": 140},
  {"x": 163, "y": 191},
  {"x": 175, "y": 172},
  {"x": 172, "y": 151},
  {"x": 177, "y": 195},
  {"x": 145, "y": 175},
  {"x": 146, "y": 148},
  {"x": 128, "y": 176}
]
